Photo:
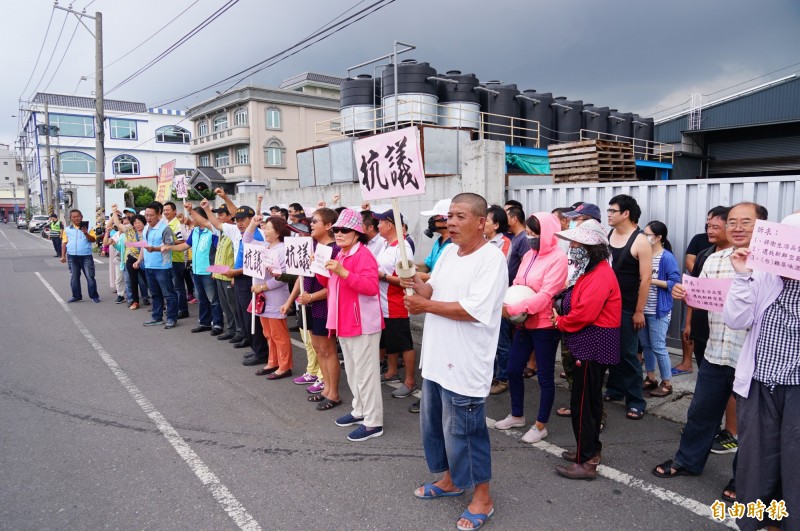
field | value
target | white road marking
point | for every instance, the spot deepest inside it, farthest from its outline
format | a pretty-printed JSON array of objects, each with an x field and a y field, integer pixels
[
  {"x": 613, "y": 474},
  {"x": 220, "y": 492},
  {"x": 9, "y": 240},
  {"x": 97, "y": 261},
  {"x": 47, "y": 242}
]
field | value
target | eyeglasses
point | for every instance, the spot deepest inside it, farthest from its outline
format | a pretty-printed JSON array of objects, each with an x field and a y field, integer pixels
[
  {"x": 747, "y": 224},
  {"x": 342, "y": 230},
  {"x": 613, "y": 211}
]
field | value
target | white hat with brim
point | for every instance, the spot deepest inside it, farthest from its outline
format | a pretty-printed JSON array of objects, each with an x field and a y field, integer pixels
[
  {"x": 589, "y": 232},
  {"x": 792, "y": 219},
  {"x": 441, "y": 208}
]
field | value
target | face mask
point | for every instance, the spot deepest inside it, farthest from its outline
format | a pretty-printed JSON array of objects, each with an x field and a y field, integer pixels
[
  {"x": 573, "y": 224},
  {"x": 534, "y": 241},
  {"x": 651, "y": 240}
]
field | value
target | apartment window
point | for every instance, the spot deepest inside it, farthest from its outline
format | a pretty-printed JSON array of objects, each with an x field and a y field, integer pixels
[
  {"x": 205, "y": 160},
  {"x": 71, "y": 125},
  {"x": 273, "y": 153},
  {"x": 123, "y": 129},
  {"x": 76, "y": 162},
  {"x": 243, "y": 156},
  {"x": 125, "y": 165},
  {"x": 202, "y": 128},
  {"x": 240, "y": 117},
  {"x": 222, "y": 158},
  {"x": 172, "y": 134},
  {"x": 273, "y": 118},
  {"x": 221, "y": 122}
]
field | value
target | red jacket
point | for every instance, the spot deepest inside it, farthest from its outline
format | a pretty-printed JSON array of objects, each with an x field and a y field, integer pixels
[{"x": 596, "y": 300}]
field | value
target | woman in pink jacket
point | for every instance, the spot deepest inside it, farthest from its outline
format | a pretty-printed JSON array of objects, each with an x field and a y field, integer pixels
[
  {"x": 544, "y": 270},
  {"x": 354, "y": 315}
]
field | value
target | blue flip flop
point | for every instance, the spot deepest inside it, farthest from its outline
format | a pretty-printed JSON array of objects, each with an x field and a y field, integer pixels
[
  {"x": 678, "y": 372},
  {"x": 476, "y": 519},
  {"x": 431, "y": 492}
]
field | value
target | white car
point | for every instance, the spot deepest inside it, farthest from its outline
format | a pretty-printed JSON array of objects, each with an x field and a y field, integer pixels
[
  {"x": 22, "y": 223},
  {"x": 37, "y": 223}
]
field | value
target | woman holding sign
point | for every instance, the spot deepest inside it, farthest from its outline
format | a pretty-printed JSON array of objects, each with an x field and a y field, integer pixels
[
  {"x": 273, "y": 322},
  {"x": 354, "y": 315}
]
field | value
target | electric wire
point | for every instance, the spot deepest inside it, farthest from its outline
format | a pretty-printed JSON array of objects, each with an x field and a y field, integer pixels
[
  {"x": 194, "y": 31},
  {"x": 62, "y": 57},
  {"x": 753, "y": 79},
  {"x": 41, "y": 49},
  {"x": 52, "y": 54}
]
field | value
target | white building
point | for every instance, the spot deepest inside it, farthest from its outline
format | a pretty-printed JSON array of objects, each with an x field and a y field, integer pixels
[{"x": 138, "y": 140}]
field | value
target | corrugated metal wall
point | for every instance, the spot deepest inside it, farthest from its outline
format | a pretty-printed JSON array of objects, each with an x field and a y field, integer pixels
[
  {"x": 681, "y": 205},
  {"x": 749, "y": 156}
]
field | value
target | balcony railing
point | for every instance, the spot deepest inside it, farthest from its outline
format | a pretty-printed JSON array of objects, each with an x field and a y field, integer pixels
[{"x": 238, "y": 134}]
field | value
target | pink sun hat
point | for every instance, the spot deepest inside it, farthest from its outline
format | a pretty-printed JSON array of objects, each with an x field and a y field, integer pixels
[{"x": 349, "y": 219}]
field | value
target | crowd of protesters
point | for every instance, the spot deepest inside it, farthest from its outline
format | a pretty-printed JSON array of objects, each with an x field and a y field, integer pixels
[{"x": 606, "y": 296}]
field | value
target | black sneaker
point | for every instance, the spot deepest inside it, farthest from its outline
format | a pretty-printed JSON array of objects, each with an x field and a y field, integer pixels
[
  {"x": 170, "y": 324},
  {"x": 154, "y": 322},
  {"x": 216, "y": 331},
  {"x": 200, "y": 328},
  {"x": 414, "y": 408},
  {"x": 236, "y": 339},
  {"x": 724, "y": 443},
  {"x": 225, "y": 337},
  {"x": 120, "y": 300},
  {"x": 183, "y": 315}
]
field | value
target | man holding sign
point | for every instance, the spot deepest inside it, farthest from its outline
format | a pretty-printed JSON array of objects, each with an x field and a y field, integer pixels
[{"x": 715, "y": 377}]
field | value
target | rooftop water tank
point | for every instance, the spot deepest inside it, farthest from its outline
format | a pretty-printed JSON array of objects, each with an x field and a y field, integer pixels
[
  {"x": 416, "y": 94},
  {"x": 567, "y": 115},
  {"x": 459, "y": 103},
  {"x": 619, "y": 124},
  {"x": 595, "y": 120},
  {"x": 642, "y": 132},
  {"x": 499, "y": 102},
  {"x": 357, "y": 104},
  {"x": 535, "y": 106}
]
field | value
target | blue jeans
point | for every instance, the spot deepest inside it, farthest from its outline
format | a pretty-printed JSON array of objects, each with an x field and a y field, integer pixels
[
  {"x": 210, "y": 308},
  {"x": 76, "y": 265},
  {"x": 178, "y": 270},
  {"x": 653, "y": 338},
  {"x": 625, "y": 378},
  {"x": 543, "y": 343},
  {"x": 159, "y": 281},
  {"x": 455, "y": 436},
  {"x": 503, "y": 346},
  {"x": 711, "y": 394}
]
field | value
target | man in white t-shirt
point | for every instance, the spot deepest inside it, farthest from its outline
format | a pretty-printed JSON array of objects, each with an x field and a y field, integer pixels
[{"x": 463, "y": 301}]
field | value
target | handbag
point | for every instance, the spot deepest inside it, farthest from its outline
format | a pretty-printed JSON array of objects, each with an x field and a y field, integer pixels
[{"x": 261, "y": 304}]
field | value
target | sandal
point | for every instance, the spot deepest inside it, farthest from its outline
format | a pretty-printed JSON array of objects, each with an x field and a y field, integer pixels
[
  {"x": 431, "y": 492},
  {"x": 671, "y": 470},
  {"x": 316, "y": 398},
  {"x": 635, "y": 414},
  {"x": 649, "y": 384},
  {"x": 662, "y": 391},
  {"x": 527, "y": 372},
  {"x": 327, "y": 404},
  {"x": 564, "y": 412},
  {"x": 730, "y": 488},
  {"x": 476, "y": 519}
]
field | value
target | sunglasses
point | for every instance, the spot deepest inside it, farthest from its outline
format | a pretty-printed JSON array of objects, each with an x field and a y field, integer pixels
[{"x": 342, "y": 230}]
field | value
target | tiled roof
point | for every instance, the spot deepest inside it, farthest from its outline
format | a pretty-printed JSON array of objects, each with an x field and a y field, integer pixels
[
  {"x": 81, "y": 102},
  {"x": 311, "y": 76}
]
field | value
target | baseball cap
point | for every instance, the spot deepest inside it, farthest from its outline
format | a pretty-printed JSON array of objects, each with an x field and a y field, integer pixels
[
  {"x": 221, "y": 210},
  {"x": 388, "y": 215},
  {"x": 439, "y": 209},
  {"x": 244, "y": 212},
  {"x": 590, "y": 232},
  {"x": 129, "y": 209},
  {"x": 585, "y": 209}
]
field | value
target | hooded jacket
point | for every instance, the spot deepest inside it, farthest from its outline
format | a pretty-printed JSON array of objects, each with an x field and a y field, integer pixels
[{"x": 545, "y": 272}]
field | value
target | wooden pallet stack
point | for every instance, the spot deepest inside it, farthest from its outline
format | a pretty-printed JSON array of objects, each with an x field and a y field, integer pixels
[{"x": 592, "y": 161}]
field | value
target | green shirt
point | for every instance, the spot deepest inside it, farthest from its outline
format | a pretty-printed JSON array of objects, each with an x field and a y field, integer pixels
[
  {"x": 224, "y": 256},
  {"x": 175, "y": 225}
]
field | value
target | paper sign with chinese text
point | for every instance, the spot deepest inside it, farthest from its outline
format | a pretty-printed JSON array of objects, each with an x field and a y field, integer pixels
[
  {"x": 141, "y": 244},
  {"x": 322, "y": 254},
  {"x": 253, "y": 261},
  {"x": 220, "y": 269},
  {"x": 181, "y": 189},
  {"x": 273, "y": 260},
  {"x": 298, "y": 256},
  {"x": 165, "y": 174},
  {"x": 390, "y": 164},
  {"x": 775, "y": 248},
  {"x": 706, "y": 293}
]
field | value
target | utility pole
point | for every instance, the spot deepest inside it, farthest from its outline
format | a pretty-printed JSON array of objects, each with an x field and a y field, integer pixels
[
  {"x": 57, "y": 165},
  {"x": 49, "y": 197},
  {"x": 100, "y": 137},
  {"x": 26, "y": 183}
]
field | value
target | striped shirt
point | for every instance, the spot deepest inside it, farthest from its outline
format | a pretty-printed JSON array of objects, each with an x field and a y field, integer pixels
[
  {"x": 724, "y": 344},
  {"x": 778, "y": 346},
  {"x": 652, "y": 295}
]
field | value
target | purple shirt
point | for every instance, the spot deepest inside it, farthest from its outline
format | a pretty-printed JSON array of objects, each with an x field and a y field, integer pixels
[{"x": 593, "y": 343}]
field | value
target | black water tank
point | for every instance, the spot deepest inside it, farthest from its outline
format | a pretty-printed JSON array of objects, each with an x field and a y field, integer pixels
[
  {"x": 363, "y": 90},
  {"x": 595, "y": 120},
  {"x": 537, "y": 111},
  {"x": 500, "y": 102},
  {"x": 567, "y": 115},
  {"x": 417, "y": 92},
  {"x": 463, "y": 90},
  {"x": 643, "y": 136},
  {"x": 619, "y": 124}
]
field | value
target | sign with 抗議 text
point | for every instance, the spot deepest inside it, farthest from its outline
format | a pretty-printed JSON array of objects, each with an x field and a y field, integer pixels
[
  {"x": 775, "y": 248},
  {"x": 181, "y": 189},
  {"x": 298, "y": 256},
  {"x": 706, "y": 293},
  {"x": 390, "y": 164},
  {"x": 254, "y": 263}
]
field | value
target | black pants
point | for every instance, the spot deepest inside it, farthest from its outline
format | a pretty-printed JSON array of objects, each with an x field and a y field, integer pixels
[
  {"x": 57, "y": 246},
  {"x": 136, "y": 277},
  {"x": 258, "y": 342},
  {"x": 699, "y": 350},
  {"x": 586, "y": 402}
]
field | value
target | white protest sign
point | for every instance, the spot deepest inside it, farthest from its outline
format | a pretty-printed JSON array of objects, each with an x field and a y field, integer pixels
[
  {"x": 254, "y": 263},
  {"x": 298, "y": 256},
  {"x": 322, "y": 254},
  {"x": 775, "y": 248},
  {"x": 272, "y": 260},
  {"x": 390, "y": 164},
  {"x": 181, "y": 190}
]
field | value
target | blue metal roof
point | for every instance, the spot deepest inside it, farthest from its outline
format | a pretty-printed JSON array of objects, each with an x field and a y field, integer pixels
[{"x": 778, "y": 103}]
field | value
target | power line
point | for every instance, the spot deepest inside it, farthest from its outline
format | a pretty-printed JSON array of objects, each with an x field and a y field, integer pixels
[
  {"x": 214, "y": 16},
  {"x": 62, "y": 57},
  {"x": 41, "y": 49},
  {"x": 52, "y": 54},
  {"x": 753, "y": 79},
  {"x": 255, "y": 68}
]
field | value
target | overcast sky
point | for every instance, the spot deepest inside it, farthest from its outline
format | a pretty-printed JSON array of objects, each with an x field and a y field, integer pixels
[{"x": 635, "y": 55}]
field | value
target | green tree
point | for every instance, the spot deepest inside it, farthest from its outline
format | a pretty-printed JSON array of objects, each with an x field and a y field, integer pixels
[
  {"x": 142, "y": 195},
  {"x": 118, "y": 183}
]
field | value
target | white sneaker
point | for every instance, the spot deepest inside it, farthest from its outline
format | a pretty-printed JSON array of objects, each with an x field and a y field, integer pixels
[
  {"x": 509, "y": 422},
  {"x": 534, "y": 435}
]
